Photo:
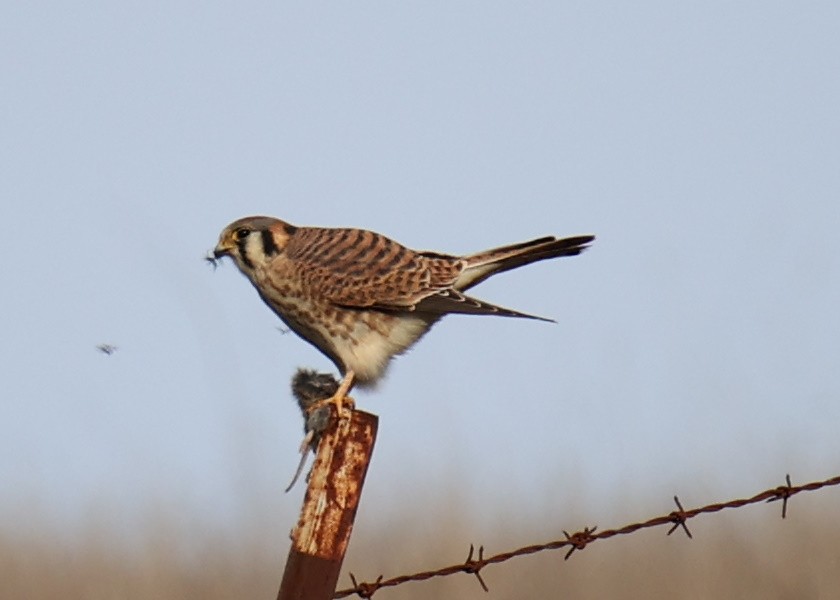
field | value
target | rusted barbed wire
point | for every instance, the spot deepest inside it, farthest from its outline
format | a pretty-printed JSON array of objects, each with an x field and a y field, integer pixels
[{"x": 579, "y": 540}]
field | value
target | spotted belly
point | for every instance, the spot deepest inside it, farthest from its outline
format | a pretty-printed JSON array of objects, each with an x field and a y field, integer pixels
[{"x": 363, "y": 341}]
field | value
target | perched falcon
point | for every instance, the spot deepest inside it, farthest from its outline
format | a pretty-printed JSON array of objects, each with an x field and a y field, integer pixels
[{"x": 362, "y": 298}]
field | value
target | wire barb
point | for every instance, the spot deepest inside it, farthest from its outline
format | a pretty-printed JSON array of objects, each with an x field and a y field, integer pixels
[
  {"x": 679, "y": 517},
  {"x": 579, "y": 540},
  {"x": 475, "y": 566},
  {"x": 783, "y": 492},
  {"x": 365, "y": 590}
]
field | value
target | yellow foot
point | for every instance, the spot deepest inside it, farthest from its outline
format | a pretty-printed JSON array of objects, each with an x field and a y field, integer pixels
[{"x": 340, "y": 398}]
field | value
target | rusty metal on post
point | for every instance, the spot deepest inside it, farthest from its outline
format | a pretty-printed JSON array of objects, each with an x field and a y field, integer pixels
[{"x": 320, "y": 538}]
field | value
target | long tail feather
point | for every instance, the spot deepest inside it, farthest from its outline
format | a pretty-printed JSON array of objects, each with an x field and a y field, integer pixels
[{"x": 482, "y": 265}]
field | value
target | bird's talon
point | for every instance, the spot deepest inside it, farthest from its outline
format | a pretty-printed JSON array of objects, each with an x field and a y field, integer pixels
[{"x": 344, "y": 407}]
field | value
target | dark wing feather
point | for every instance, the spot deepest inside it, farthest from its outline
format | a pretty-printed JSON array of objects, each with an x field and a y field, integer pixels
[{"x": 452, "y": 301}]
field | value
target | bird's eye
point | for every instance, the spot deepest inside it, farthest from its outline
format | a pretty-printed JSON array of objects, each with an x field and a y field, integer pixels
[{"x": 240, "y": 234}]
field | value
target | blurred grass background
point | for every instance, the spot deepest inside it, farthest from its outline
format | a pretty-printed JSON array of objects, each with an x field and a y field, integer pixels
[{"x": 745, "y": 553}]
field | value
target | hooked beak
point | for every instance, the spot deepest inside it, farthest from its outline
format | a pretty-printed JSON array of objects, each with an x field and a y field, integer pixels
[{"x": 222, "y": 249}]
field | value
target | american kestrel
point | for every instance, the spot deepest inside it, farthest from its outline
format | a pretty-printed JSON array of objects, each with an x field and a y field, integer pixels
[{"x": 362, "y": 298}]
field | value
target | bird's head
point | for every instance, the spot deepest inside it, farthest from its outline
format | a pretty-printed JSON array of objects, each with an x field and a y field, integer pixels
[{"x": 252, "y": 242}]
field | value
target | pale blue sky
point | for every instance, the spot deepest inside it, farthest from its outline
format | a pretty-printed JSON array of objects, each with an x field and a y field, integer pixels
[{"x": 697, "y": 344}]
